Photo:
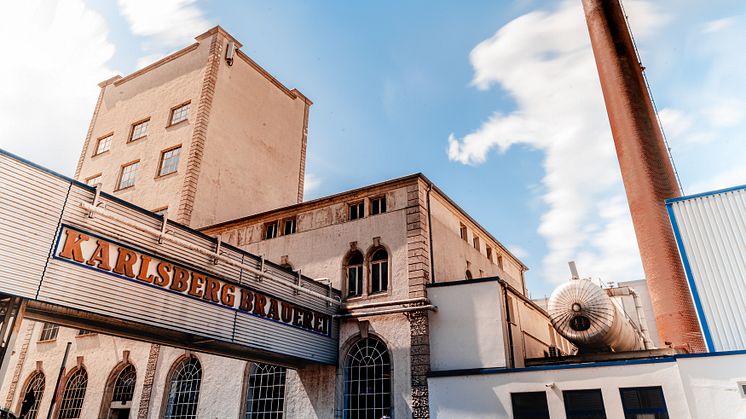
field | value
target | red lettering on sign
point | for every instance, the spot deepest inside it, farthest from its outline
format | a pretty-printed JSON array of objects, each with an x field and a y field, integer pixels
[
  {"x": 273, "y": 312},
  {"x": 212, "y": 286},
  {"x": 164, "y": 277},
  {"x": 247, "y": 300},
  {"x": 287, "y": 312},
  {"x": 144, "y": 266},
  {"x": 71, "y": 249},
  {"x": 179, "y": 282},
  {"x": 259, "y": 304},
  {"x": 195, "y": 287},
  {"x": 226, "y": 295},
  {"x": 100, "y": 256},
  {"x": 125, "y": 262}
]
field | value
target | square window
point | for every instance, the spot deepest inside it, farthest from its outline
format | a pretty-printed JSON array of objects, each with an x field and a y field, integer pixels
[
  {"x": 104, "y": 144},
  {"x": 139, "y": 130},
  {"x": 49, "y": 332},
  {"x": 270, "y": 230},
  {"x": 169, "y": 161},
  {"x": 179, "y": 113},
  {"x": 93, "y": 180},
  {"x": 643, "y": 402},
  {"x": 475, "y": 240},
  {"x": 378, "y": 205},
  {"x": 356, "y": 210},
  {"x": 288, "y": 226},
  {"x": 531, "y": 405},
  {"x": 584, "y": 404},
  {"x": 462, "y": 231},
  {"x": 128, "y": 175}
]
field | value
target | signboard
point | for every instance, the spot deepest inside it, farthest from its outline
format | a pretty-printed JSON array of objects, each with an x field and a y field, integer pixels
[{"x": 111, "y": 270}]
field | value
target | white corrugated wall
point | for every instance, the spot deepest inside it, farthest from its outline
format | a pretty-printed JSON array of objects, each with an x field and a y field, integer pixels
[{"x": 711, "y": 232}]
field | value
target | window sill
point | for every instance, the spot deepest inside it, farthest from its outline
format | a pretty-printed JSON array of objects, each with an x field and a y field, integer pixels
[
  {"x": 167, "y": 175},
  {"x": 46, "y": 341},
  {"x": 176, "y": 123},
  {"x": 86, "y": 335},
  {"x": 124, "y": 189},
  {"x": 134, "y": 140},
  {"x": 100, "y": 154}
]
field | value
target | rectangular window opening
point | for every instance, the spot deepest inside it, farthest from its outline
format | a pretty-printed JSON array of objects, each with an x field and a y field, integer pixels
[
  {"x": 270, "y": 230},
  {"x": 288, "y": 226},
  {"x": 475, "y": 241},
  {"x": 139, "y": 130},
  {"x": 378, "y": 205},
  {"x": 49, "y": 332},
  {"x": 584, "y": 404},
  {"x": 530, "y": 405},
  {"x": 462, "y": 231},
  {"x": 643, "y": 402},
  {"x": 128, "y": 175},
  {"x": 489, "y": 253},
  {"x": 180, "y": 113},
  {"x": 103, "y": 144},
  {"x": 356, "y": 210},
  {"x": 169, "y": 161}
]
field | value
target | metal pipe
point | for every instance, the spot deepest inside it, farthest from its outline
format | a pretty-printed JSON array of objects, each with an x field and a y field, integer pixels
[
  {"x": 209, "y": 253},
  {"x": 389, "y": 311},
  {"x": 643, "y": 320},
  {"x": 388, "y": 303}
]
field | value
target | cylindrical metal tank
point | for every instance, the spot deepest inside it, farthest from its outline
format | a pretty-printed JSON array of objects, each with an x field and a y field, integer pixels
[{"x": 583, "y": 313}]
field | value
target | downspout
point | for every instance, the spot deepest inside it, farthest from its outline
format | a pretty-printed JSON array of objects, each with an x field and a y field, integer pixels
[
  {"x": 510, "y": 329},
  {"x": 641, "y": 317},
  {"x": 430, "y": 233}
]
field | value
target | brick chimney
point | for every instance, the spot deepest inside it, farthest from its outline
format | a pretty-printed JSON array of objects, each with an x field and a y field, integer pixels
[{"x": 646, "y": 170}]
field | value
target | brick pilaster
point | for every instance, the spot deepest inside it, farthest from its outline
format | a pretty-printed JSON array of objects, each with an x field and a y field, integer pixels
[
  {"x": 418, "y": 260},
  {"x": 199, "y": 132},
  {"x": 19, "y": 366},
  {"x": 147, "y": 386},
  {"x": 304, "y": 141}
]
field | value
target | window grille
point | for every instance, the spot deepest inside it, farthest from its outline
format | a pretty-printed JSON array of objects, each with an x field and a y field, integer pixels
[
  {"x": 584, "y": 404},
  {"x": 378, "y": 205},
  {"x": 355, "y": 275},
  {"x": 72, "y": 397},
  {"x": 179, "y": 114},
  {"x": 128, "y": 176},
  {"x": 124, "y": 387},
  {"x": 183, "y": 393},
  {"x": 32, "y": 396},
  {"x": 356, "y": 210},
  {"x": 379, "y": 268},
  {"x": 266, "y": 392},
  {"x": 367, "y": 380},
  {"x": 139, "y": 130},
  {"x": 169, "y": 161},
  {"x": 104, "y": 144},
  {"x": 49, "y": 332},
  {"x": 531, "y": 405},
  {"x": 644, "y": 403}
]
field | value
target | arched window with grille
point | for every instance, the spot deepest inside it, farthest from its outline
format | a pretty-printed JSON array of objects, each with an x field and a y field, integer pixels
[
  {"x": 354, "y": 268},
  {"x": 74, "y": 394},
  {"x": 367, "y": 380},
  {"x": 32, "y": 394},
  {"x": 265, "y": 398},
  {"x": 120, "y": 391},
  {"x": 183, "y": 390},
  {"x": 379, "y": 271}
]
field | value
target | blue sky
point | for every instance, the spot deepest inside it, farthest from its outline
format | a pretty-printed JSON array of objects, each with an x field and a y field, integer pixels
[{"x": 497, "y": 102}]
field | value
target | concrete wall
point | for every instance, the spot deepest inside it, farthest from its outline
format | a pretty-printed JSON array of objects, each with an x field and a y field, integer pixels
[
  {"x": 151, "y": 94},
  {"x": 467, "y": 330},
  {"x": 453, "y": 255},
  {"x": 255, "y": 146}
]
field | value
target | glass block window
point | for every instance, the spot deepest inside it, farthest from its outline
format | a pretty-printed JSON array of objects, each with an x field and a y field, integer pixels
[
  {"x": 378, "y": 205},
  {"x": 379, "y": 271},
  {"x": 584, "y": 404},
  {"x": 179, "y": 114},
  {"x": 169, "y": 161},
  {"x": 32, "y": 396},
  {"x": 103, "y": 144},
  {"x": 367, "y": 380},
  {"x": 73, "y": 395},
  {"x": 355, "y": 274},
  {"x": 49, "y": 332},
  {"x": 644, "y": 403},
  {"x": 129, "y": 175},
  {"x": 531, "y": 405},
  {"x": 266, "y": 392},
  {"x": 356, "y": 210},
  {"x": 124, "y": 387},
  {"x": 183, "y": 392},
  {"x": 139, "y": 130}
]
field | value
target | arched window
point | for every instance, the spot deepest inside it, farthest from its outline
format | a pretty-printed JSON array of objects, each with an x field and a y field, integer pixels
[
  {"x": 367, "y": 380},
  {"x": 32, "y": 395},
  {"x": 265, "y": 398},
  {"x": 355, "y": 274},
  {"x": 122, "y": 393},
  {"x": 379, "y": 271},
  {"x": 74, "y": 394},
  {"x": 183, "y": 391}
]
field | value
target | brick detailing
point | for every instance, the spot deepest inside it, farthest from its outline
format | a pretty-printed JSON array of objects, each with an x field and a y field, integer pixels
[
  {"x": 418, "y": 260},
  {"x": 147, "y": 386},
  {"x": 304, "y": 141},
  {"x": 87, "y": 142},
  {"x": 199, "y": 132},
  {"x": 19, "y": 365}
]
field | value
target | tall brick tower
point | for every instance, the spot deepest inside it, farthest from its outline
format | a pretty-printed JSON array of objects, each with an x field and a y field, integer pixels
[{"x": 646, "y": 170}]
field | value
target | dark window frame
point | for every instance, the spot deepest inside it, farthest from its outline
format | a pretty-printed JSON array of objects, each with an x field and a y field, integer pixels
[
  {"x": 378, "y": 205},
  {"x": 632, "y": 412},
  {"x": 573, "y": 412},
  {"x": 356, "y": 210},
  {"x": 529, "y": 409}
]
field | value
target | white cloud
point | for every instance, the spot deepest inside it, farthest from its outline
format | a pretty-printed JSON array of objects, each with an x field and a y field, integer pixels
[
  {"x": 311, "y": 184},
  {"x": 55, "y": 53},
  {"x": 165, "y": 24},
  {"x": 718, "y": 25},
  {"x": 727, "y": 178},
  {"x": 543, "y": 59},
  {"x": 518, "y": 251}
]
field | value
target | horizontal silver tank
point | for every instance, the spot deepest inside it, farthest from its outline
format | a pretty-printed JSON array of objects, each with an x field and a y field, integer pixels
[{"x": 582, "y": 312}]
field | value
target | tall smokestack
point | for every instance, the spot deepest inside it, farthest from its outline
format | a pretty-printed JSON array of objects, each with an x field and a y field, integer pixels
[{"x": 646, "y": 170}]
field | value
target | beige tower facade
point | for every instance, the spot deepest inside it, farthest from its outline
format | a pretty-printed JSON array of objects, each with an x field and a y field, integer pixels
[{"x": 206, "y": 117}]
